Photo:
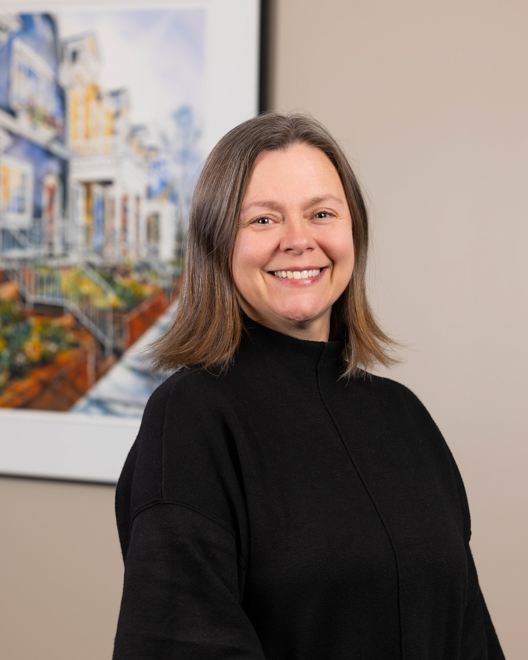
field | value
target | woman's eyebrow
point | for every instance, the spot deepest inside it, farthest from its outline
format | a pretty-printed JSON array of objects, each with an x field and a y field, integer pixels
[
  {"x": 319, "y": 199},
  {"x": 276, "y": 206}
]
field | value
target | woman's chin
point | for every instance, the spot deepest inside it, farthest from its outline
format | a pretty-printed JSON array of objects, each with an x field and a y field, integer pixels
[
  {"x": 291, "y": 319},
  {"x": 303, "y": 317}
]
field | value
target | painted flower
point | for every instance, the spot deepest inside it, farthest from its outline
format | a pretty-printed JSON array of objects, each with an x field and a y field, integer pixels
[{"x": 33, "y": 349}]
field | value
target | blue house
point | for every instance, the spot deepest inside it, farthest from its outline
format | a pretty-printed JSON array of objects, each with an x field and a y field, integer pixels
[{"x": 33, "y": 153}]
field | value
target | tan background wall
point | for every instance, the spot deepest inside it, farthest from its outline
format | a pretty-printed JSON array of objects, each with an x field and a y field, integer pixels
[
  {"x": 430, "y": 101},
  {"x": 60, "y": 571}
]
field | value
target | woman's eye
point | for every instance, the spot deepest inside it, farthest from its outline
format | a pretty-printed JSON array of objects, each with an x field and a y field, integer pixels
[
  {"x": 320, "y": 215},
  {"x": 262, "y": 221}
]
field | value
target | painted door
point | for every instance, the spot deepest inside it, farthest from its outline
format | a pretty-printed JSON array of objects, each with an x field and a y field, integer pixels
[
  {"x": 49, "y": 211},
  {"x": 98, "y": 219}
]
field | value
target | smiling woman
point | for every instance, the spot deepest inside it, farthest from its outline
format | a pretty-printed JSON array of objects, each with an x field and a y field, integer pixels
[
  {"x": 279, "y": 501},
  {"x": 276, "y": 196}
]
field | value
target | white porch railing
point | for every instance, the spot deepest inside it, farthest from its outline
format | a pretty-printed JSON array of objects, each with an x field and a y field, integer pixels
[
  {"x": 45, "y": 279},
  {"x": 78, "y": 288}
]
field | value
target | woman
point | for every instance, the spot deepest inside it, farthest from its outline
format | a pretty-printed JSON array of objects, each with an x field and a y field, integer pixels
[{"x": 279, "y": 501}]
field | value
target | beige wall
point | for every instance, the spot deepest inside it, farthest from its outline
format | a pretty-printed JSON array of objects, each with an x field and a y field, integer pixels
[
  {"x": 60, "y": 571},
  {"x": 431, "y": 103}
]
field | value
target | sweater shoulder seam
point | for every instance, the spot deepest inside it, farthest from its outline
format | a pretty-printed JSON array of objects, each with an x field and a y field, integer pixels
[{"x": 186, "y": 505}]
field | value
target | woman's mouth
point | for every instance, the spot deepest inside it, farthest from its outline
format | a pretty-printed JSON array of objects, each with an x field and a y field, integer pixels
[{"x": 296, "y": 274}]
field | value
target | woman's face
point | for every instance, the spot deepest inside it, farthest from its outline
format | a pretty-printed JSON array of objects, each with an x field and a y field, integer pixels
[{"x": 294, "y": 251}]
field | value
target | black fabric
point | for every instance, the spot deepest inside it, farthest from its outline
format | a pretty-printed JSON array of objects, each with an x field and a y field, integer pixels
[{"x": 280, "y": 512}]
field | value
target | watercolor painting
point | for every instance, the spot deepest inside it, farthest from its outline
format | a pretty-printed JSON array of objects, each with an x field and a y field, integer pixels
[
  {"x": 107, "y": 113},
  {"x": 101, "y": 115}
]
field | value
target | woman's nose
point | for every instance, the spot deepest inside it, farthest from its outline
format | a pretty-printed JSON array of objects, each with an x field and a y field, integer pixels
[{"x": 296, "y": 237}]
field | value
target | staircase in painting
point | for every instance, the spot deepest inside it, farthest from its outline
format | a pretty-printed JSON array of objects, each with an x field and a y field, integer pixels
[{"x": 59, "y": 281}]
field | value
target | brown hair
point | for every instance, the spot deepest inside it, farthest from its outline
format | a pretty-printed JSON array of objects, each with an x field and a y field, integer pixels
[{"x": 208, "y": 324}]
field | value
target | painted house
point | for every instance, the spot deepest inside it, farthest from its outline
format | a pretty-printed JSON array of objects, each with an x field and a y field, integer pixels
[
  {"x": 77, "y": 177},
  {"x": 108, "y": 167},
  {"x": 162, "y": 207},
  {"x": 33, "y": 151},
  {"x": 173, "y": 171}
]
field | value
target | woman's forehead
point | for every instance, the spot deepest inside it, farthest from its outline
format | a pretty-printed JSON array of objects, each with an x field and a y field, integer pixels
[{"x": 300, "y": 172}]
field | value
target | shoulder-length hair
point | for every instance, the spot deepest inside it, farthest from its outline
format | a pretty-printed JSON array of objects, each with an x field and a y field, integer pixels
[{"x": 208, "y": 325}]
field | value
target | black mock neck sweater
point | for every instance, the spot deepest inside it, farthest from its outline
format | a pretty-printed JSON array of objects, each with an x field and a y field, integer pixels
[{"x": 281, "y": 512}]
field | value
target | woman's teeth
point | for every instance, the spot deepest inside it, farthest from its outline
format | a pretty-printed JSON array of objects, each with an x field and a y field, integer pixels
[{"x": 296, "y": 274}]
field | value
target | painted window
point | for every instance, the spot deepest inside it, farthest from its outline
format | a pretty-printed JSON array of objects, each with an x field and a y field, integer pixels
[
  {"x": 78, "y": 119},
  {"x": 16, "y": 184},
  {"x": 32, "y": 88},
  {"x": 9, "y": 23},
  {"x": 153, "y": 232}
]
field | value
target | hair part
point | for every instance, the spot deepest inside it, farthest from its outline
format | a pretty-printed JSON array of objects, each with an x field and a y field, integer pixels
[{"x": 208, "y": 324}]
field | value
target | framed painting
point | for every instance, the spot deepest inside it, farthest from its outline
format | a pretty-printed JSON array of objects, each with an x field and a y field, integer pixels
[{"x": 107, "y": 111}]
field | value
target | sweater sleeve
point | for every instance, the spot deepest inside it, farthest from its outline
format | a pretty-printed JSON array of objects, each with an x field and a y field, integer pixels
[
  {"x": 181, "y": 590},
  {"x": 182, "y": 524},
  {"x": 479, "y": 639}
]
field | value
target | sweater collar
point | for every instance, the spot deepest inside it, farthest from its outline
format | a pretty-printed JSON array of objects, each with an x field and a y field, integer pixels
[{"x": 290, "y": 349}]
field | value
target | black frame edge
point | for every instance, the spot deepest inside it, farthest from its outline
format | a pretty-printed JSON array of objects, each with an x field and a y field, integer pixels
[{"x": 264, "y": 56}]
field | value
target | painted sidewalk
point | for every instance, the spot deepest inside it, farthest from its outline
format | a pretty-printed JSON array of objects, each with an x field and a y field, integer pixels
[{"x": 124, "y": 390}]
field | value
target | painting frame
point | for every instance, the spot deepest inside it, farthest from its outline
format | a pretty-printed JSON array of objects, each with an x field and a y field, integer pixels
[{"x": 92, "y": 448}]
